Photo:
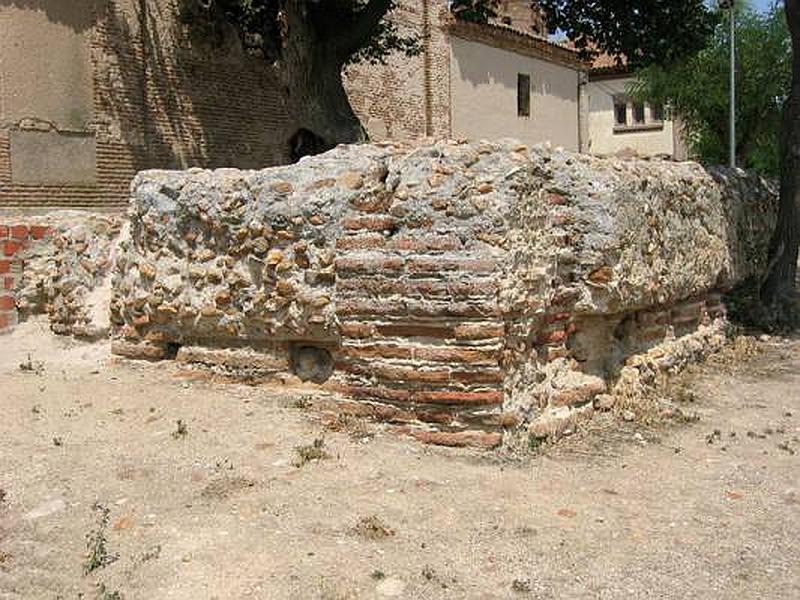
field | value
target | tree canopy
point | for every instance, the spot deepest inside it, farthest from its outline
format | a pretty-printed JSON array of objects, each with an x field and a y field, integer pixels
[
  {"x": 697, "y": 88},
  {"x": 645, "y": 32}
]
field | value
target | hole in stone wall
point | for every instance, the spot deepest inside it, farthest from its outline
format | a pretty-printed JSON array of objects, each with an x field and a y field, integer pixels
[
  {"x": 311, "y": 363},
  {"x": 306, "y": 143},
  {"x": 171, "y": 350}
]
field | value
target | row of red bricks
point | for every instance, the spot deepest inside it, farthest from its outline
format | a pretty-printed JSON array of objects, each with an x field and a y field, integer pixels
[
  {"x": 13, "y": 239},
  {"x": 376, "y": 263}
]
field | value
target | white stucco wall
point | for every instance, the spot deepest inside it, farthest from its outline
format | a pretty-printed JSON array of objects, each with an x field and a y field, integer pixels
[
  {"x": 602, "y": 137},
  {"x": 484, "y": 96}
]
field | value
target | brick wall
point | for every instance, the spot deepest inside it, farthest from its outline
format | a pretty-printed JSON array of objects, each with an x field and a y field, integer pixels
[
  {"x": 159, "y": 104},
  {"x": 409, "y": 97},
  {"x": 14, "y": 239}
]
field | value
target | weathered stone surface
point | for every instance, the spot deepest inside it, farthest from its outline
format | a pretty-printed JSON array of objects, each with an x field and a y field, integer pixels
[
  {"x": 67, "y": 273},
  {"x": 465, "y": 283}
]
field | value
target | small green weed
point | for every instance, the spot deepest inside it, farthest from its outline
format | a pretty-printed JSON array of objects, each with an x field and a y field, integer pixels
[
  {"x": 97, "y": 555},
  {"x": 314, "y": 451}
]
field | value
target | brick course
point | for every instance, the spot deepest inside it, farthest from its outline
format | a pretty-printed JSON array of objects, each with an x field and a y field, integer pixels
[{"x": 14, "y": 239}]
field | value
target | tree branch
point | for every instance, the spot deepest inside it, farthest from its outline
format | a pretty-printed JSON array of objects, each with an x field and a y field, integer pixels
[{"x": 361, "y": 29}]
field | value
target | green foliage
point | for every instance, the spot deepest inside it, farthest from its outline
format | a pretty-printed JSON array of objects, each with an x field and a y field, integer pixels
[
  {"x": 97, "y": 555},
  {"x": 262, "y": 28},
  {"x": 474, "y": 11},
  {"x": 644, "y": 31},
  {"x": 697, "y": 89}
]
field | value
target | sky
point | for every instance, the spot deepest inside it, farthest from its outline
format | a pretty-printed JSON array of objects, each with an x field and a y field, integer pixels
[{"x": 761, "y": 4}]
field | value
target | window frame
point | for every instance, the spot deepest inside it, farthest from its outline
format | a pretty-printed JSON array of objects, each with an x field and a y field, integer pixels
[{"x": 523, "y": 95}]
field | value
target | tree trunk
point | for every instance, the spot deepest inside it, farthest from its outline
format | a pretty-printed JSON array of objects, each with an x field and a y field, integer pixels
[
  {"x": 310, "y": 71},
  {"x": 778, "y": 289}
]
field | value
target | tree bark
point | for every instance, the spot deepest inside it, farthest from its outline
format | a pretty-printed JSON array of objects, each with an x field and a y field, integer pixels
[
  {"x": 316, "y": 47},
  {"x": 778, "y": 289}
]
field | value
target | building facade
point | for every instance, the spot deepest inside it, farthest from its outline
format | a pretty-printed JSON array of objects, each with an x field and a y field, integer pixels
[
  {"x": 618, "y": 124},
  {"x": 92, "y": 91}
]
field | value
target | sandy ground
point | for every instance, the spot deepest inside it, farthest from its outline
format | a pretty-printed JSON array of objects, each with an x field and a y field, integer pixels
[{"x": 703, "y": 510}]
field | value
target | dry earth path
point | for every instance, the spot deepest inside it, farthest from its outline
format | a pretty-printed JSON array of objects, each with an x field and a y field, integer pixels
[{"x": 218, "y": 509}]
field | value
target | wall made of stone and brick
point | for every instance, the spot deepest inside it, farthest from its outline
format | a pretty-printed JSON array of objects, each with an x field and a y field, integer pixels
[
  {"x": 466, "y": 286},
  {"x": 16, "y": 238}
]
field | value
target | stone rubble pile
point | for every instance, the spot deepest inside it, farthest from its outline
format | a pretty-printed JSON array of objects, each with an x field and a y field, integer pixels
[{"x": 66, "y": 275}]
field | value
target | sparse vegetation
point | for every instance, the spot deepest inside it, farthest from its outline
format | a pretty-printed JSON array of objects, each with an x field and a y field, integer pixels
[
  {"x": 181, "y": 430},
  {"x": 103, "y": 593},
  {"x": 356, "y": 428},
  {"x": 302, "y": 403},
  {"x": 97, "y": 555},
  {"x": 372, "y": 528},
  {"x": 313, "y": 451},
  {"x": 32, "y": 366}
]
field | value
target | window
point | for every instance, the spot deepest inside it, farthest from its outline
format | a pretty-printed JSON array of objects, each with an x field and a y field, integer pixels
[
  {"x": 523, "y": 95},
  {"x": 638, "y": 113},
  {"x": 620, "y": 112},
  {"x": 657, "y": 112}
]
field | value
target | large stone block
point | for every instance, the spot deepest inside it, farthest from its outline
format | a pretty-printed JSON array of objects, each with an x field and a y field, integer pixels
[{"x": 485, "y": 283}]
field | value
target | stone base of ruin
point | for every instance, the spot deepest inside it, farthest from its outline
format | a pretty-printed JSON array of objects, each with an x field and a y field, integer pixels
[{"x": 457, "y": 290}]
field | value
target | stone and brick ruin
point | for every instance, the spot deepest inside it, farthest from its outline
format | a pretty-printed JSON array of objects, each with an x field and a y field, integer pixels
[{"x": 458, "y": 289}]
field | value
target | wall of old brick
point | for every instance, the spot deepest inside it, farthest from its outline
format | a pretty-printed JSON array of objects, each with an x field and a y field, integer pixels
[
  {"x": 122, "y": 90},
  {"x": 16, "y": 239},
  {"x": 153, "y": 102},
  {"x": 470, "y": 287},
  {"x": 408, "y": 97}
]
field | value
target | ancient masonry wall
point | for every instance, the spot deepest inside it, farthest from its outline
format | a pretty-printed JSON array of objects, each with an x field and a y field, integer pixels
[
  {"x": 457, "y": 289},
  {"x": 59, "y": 265},
  {"x": 15, "y": 239}
]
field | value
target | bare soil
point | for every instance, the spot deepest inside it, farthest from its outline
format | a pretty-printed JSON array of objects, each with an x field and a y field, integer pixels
[{"x": 242, "y": 501}]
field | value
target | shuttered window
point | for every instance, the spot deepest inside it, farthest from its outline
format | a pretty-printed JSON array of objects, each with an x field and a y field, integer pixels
[{"x": 523, "y": 95}]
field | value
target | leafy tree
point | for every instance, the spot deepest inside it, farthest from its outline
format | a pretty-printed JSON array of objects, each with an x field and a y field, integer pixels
[
  {"x": 308, "y": 42},
  {"x": 663, "y": 32},
  {"x": 697, "y": 89},
  {"x": 778, "y": 292}
]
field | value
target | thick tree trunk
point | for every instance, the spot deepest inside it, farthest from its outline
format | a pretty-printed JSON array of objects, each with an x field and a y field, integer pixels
[
  {"x": 778, "y": 289},
  {"x": 310, "y": 70}
]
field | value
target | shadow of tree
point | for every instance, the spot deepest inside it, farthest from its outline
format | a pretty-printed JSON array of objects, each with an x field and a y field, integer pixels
[{"x": 178, "y": 106}]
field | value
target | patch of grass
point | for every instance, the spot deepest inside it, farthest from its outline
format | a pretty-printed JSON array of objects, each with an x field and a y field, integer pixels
[
  {"x": 181, "y": 430},
  {"x": 97, "y": 554},
  {"x": 313, "y": 451},
  {"x": 372, "y": 528},
  {"x": 5, "y": 557},
  {"x": 32, "y": 366},
  {"x": 103, "y": 593},
  {"x": 151, "y": 554},
  {"x": 356, "y": 428},
  {"x": 225, "y": 486}
]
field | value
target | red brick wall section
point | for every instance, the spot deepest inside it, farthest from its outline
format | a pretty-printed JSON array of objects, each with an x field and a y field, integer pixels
[
  {"x": 160, "y": 104},
  {"x": 13, "y": 239}
]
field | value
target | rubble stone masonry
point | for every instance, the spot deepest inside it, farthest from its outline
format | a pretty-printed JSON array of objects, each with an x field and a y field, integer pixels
[{"x": 468, "y": 286}]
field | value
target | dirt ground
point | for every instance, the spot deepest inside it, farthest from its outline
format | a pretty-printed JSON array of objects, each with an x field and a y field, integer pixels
[{"x": 217, "y": 509}]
